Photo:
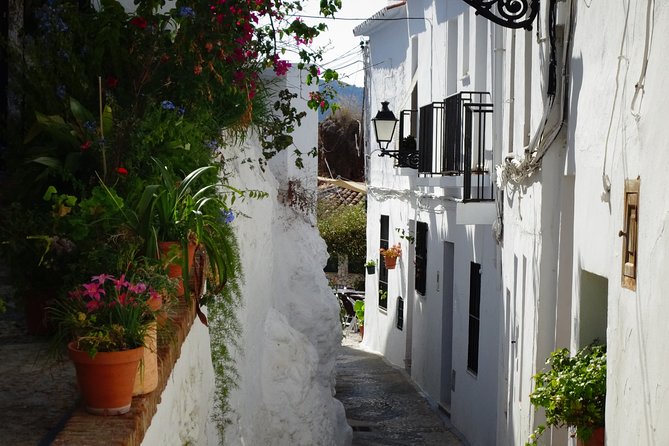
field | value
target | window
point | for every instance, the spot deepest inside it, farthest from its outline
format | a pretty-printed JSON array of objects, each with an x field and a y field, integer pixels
[
  {"x": 630, "y": 234},
  {"x": 474, "y": 317},
  {"x": 421, "y": 257},
  {"x": 400, "y": 313},
  {"x": 383, "y": 272}
]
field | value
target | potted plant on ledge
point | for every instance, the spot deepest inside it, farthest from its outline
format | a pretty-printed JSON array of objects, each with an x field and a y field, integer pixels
[
  {"x": 390, "y": 255},
  {"x": 573, "y": 393},
  {"x": 359, "y": 308},
  {"x": 104, "y": 323},
  {"x": 371, "y": 266}
]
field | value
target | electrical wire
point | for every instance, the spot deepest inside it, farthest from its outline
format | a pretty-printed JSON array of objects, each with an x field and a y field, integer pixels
[{"x": 639, "y": 87}]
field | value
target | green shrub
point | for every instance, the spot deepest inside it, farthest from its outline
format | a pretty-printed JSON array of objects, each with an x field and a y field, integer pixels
[{"x": 572, "y": 392}]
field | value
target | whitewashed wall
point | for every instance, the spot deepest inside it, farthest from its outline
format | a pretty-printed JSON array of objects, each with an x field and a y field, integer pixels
[
  {"x": 616, "y": 137},
  {"x": 397, "y": 48},
  {"x": 291, "y": 330},
  {"x": 562, "y": 253},
  {"x": 290, "y": 322},
  {"x": 184, "y": 415}
]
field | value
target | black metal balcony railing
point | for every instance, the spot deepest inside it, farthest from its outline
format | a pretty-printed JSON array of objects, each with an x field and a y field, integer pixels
[
  {"x": 454, "y": 138},
  {"x": 408, "y": 149}
]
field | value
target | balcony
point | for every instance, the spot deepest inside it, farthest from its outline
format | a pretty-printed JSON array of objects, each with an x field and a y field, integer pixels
[{"x": 453, "y": 139}]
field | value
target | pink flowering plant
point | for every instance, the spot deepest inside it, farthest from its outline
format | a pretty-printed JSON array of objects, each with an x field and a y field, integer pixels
[{"x": 106, "y": 314}]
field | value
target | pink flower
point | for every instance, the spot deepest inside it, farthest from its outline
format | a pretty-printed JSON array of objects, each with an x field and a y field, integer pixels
[
  {"x": 281, "y": 66},
  {"x": 121, "y": 282},
  {"x": 138, "y": 288},
  {"x": 93, "y": 290},
  {"x": 92, "y": 305},
  {"x": 102, "y": 278}
]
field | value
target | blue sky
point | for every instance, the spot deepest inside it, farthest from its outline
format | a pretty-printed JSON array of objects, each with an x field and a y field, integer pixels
[{"x": 342, "y": 47}]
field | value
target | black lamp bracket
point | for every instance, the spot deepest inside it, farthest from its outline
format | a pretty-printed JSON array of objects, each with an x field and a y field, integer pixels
[{"x": 507, "y": 13}]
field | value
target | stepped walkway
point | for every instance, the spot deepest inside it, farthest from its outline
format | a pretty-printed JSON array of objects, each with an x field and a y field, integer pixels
[{"x": 382, "y": 406}]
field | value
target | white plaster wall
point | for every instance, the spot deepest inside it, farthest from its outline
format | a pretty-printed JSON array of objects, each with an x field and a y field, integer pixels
[
  {"x": 621, "y": 138},
  {"x": 291, "y": 331},
  {"x": 290, "y": 323},
  {"x": 405, "y": 198},
  {"x": 610, "y": 137},
  {"x": 184, "y": 415}
]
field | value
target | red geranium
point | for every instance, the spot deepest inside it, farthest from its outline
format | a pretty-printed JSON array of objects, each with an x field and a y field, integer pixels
[
  {"x": 139, "y": 22},
  {"x": 111, "y": 82},
  {"x": 122, "y": 171}
]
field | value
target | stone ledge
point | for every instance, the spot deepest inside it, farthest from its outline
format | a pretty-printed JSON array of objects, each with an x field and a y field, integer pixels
[{"x": 83, "y": 428}]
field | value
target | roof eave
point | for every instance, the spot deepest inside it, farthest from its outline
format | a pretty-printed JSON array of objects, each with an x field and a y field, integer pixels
[{"x": 377, "y": 20}]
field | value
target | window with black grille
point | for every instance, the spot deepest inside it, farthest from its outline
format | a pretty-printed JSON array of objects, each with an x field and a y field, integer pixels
[
  {"x": 383, "y": 271},
  {"x": 421, "y": 257},
  {"x": 400, "y": 312},
  {"x": 474, "y": 317}
]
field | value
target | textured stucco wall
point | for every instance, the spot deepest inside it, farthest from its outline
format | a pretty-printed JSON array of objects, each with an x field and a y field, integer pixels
[
  {"x": 184, "y": 415},
  {"x": 290, "y": 321},
  {"x": 618, "y": 137},
  {"x": 561, "y": 227}
]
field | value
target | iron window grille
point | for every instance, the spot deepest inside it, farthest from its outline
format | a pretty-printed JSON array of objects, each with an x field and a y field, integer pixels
[
  {"x": 421, "y": 257},
  {"x": 400, "y": 313},
  {"x": 474, "y": 318},
  {"x": 454, "y": 138},
  {"x": 383, "y": 271}
]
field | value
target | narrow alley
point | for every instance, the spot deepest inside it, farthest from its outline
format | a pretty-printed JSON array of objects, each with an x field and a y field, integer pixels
[{"x": 382, "y": 406}]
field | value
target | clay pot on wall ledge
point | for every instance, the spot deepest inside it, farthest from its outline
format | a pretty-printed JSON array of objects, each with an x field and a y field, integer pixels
[
  {"x": 597, "y": 438},
  {"x": 174, "y": 270},
  {"x": 106, "y": 381}
]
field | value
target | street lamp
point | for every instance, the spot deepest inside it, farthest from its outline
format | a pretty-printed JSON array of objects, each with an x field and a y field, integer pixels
[{"x": 384, "y": 128}]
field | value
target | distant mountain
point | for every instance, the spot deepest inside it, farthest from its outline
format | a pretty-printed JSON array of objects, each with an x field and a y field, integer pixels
[{"x": 347, "y": 95}]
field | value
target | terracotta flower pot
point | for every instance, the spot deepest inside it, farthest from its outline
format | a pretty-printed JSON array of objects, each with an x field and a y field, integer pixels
[
  {"x": 146, "y": 378},
  {"x": 174, "y": 270},
  {"x": 106, "y": 381},
  {"x": 390, "y": 262},
  {"x": 597, "y": 438}
]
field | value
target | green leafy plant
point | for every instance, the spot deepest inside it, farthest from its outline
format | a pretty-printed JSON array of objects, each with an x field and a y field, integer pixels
[
  {"x": 370, "y": 263},
  {"x": 572, "y": 392},
  {"x": 383, "y": 295},
  {"x": 344, "y": 230},
  {"x": 406, "y": 234},
  {"x": 359, "y": 308}
]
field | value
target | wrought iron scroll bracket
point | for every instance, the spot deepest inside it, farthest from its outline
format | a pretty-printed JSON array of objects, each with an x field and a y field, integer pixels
[
  {"x": 402, "y": 159},
  {"x": 507, "y": 13}
]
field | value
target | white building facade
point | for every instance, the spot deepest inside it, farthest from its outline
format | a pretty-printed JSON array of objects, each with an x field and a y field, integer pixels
[
  {"x": 437, "y": 313},
  {"x": 570, "y": 241},
  {"x": 584, "y": 242}
]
